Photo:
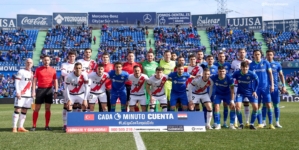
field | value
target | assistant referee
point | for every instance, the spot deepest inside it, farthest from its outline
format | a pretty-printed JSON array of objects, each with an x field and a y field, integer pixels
[{"x": 44, "y": 77}]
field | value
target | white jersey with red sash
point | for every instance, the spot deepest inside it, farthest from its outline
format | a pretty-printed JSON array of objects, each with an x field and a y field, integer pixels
[
  {"x": 87, "y": 65},
  {"x": 200, "y": 86},
  {"x": 75, "y": 84},
  {"x": 137, "y": 87},
  {"x": 194, "y": 71},
  {"x": 25, "y": 82},
  {"x": 97, "y": 83},
  {"x": 157, "y": 85}
]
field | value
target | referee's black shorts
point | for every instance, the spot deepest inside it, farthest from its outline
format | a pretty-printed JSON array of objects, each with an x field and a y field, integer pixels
[{"x": 44, "y": 95}]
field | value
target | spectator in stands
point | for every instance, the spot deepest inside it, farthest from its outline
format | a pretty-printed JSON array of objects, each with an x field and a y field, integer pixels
[{"x": 94, "y": 40}]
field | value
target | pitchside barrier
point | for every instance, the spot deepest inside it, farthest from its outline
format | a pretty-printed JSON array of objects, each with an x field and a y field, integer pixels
[{"x": 79, "y": 122}]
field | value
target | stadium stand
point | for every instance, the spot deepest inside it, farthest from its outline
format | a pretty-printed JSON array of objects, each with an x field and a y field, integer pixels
[
  {"x": 118, "y": 41},
  {"x": 62, "y": 39},
  {"x": 231, "y": 40},
  {"x": 285, "y": 44},
  {"x": 293, "y": 81},
  {"x": 182, "y": 41}
]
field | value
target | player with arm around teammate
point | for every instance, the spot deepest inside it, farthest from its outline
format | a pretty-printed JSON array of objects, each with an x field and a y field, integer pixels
[
  {"x": 198, "y": 93},
  {"x": 224, "y": 90},
  {"x": 247, "y": 87},
  {"x": 138, "y": 80},
  {"x": 23, "y": 100},
  {"x": 98, "y": 88},
  {"x": 155, "y": 88}
]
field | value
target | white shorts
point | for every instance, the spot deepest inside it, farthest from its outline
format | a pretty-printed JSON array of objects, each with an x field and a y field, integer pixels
[
  {"x": 200, "y": 98},
  {"x": 93, "y": 98},
  {"x": 134, "y": 99},
  {"x": 24, "y": 102},
  {"x": 64, "y": 97},
  {"x": 77, "y": 98},
  {"x": 162, "y": 99}
]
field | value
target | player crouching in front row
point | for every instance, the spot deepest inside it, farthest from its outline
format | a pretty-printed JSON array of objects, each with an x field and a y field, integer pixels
[{"x": 75, "y": 90}]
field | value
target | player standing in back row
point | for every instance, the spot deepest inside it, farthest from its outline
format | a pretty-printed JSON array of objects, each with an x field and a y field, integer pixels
[
  {"x": 23, "y": 99},
  {"x": 137, "y": 89},
  {"x": 275, "y": 97},
  {"x": 88, "y": 66},
  {"x": 263, "y": 70},
  {"x": 67, "y": 68},
  {"x": 236, "y": 66}
]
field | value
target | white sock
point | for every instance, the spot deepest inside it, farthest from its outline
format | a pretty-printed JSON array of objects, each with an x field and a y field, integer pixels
[
  {"x": 15, "y": 118},
  {"x": 236, "y": 119},
  {"x": 164, "y": 109},
  {"x": 247, "y": 113},
  {"x": 209, "y": 118},
  {"x": 64, "y": 116},
  {"x": 22, "y": 120},
  {"x": 264, "y": 122}
]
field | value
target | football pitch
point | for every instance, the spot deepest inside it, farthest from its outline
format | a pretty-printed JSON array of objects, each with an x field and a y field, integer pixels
[{"x": 284, "y": 138}]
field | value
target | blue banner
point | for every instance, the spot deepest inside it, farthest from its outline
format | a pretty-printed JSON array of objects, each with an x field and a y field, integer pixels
[
  {"x": 249, "y": 23},
  {"x": 34, "y": 21},
  {"x": 121, "y": 18},
  {"x": 73, "y": 19},
  {"x": 204, "y": 21},
  {"x": 10, "y": 68},
  {"x": 135, "y": 122},
  {"x": 8, "y": 24},
  {"x": 174, "y": 18},
  {"x": 282, "y": 25}
]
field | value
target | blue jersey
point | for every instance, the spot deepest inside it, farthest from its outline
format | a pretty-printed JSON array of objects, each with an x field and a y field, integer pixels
[
  {"x": 222, "y": 87},
  {"x": 247, "y": 83},
  {"x": 118, "y": 81},
  {"x": 178, "y": 82},
  {"x": 261, "y": 70},
  {"x": 276, "y": 69},
  {"x": 213, "y": 69},
  {"x": 226, "y": 65}
]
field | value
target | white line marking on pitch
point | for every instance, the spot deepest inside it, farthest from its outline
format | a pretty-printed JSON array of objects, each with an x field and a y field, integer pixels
[
  {"x": 282, "y": 107},
  {"x": 139, "y": 142}
]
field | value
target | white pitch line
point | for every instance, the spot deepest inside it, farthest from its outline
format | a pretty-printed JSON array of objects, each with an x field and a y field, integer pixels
[{"x": 139, "y": 142}]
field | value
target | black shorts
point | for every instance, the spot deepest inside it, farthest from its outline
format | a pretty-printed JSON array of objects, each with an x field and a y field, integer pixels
[
  {"x": 44, "y": 95},
  {"x": 128, "y": 88}
]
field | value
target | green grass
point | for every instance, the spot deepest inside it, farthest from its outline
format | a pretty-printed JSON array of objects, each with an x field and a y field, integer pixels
[{"x": 285, "y": 138}]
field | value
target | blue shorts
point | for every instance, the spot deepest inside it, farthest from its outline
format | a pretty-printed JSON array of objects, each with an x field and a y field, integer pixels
[
  {"x": 263, "y": 95},
  {"x": 275, "y": 96},
  {"x": 240, "y": 98},
  {"x": 174, "y": 97},
  {"x": 121, "y": 95},
  {"x": 217, "y": 99}
]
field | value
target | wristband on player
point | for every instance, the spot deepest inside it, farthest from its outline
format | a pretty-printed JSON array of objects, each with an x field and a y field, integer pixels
[{"x": 283, "y": 85}]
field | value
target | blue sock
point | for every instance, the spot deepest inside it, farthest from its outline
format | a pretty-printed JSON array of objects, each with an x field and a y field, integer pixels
[
  {"x": 232, "y": 115},
  {"x": 217, "y": 117},
  {"x": 171, "y": 109},
  {"x": 259, "y": 117},
  {"x": 239, "y": 115},
  {"x": 180, "y": 107},
  {"x": 205, "y": 112},
  {"x": 213, "y": 113},
  {"x": 225, "y": 114},
  {"x": 123, "y": 108},
  {"x": 270, "y": 115},
  {"x": 112, "y": 109},
  {"x": 253, "y": 117},
  {"x": 276, "y": 112},
  {"x": 264, "y": 112}
]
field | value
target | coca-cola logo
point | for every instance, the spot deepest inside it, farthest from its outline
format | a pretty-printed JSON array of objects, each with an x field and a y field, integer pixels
[{"x": 42, "y": 21}]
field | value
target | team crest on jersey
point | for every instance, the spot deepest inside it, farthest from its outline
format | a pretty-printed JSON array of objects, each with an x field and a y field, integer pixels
[
  {"x": 262, "y": 65},
  {"x": 184, "y": 78},
  {"x": 174, "y": 81},
  {"x": 216, "y": 84},
  {"x": 122, "y": 77},
  {"x": 113, "y": 80},
  {"x": 273, "y": 65},
  {"x": 212, "y": 70},
  {"x": 225, "y": 67},
  {"x": 248, "y": 78},
  {"x": 225, "y": 82}
]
